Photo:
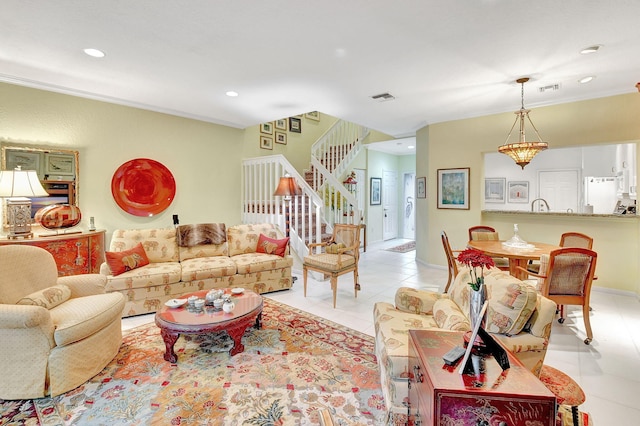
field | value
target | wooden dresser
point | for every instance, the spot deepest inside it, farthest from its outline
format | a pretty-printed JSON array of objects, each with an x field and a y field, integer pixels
[
  {"x": 80, "y": 253},
  {"x": 439, "y": 395}
]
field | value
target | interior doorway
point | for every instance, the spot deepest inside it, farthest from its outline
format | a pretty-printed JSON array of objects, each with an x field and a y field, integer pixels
[
  {"x": 389, "y": 204},
  {"x": 409, "y": 204}
]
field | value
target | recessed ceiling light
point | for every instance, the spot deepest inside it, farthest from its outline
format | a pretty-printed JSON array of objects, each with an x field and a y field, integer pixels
[
  {"x": 94, "y": 53},
  {"x": 411, "y": 147},
  {"x": 586, "y": 79},
  {"x": 591, "y": 49},
  {"x": 232, "y": 94}
]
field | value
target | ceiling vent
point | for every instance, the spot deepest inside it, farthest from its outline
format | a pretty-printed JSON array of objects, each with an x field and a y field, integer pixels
[
  {"x": 383, "y": 97},
  {"x": 549, "y": 88}
]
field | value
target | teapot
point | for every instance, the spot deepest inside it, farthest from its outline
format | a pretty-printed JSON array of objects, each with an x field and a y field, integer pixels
[
  {"x": 213, "y": 295},
  {"x": 228, "y": 306}
]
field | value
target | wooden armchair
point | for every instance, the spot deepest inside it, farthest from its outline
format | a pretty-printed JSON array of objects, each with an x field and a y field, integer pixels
[
  {"x": 341, "y": 255},
  {"x": 567, "y": 278}
]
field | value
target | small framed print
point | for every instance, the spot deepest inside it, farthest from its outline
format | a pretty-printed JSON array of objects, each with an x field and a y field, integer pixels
[
  {"x": 281, "y": 137},
  {"x": 266, "y": 128},
  {"x": 376, "y": 188},
  {"x": 453, "y": 188},
  {"x": 27, "y": 160},
  {"x": 294, "y": 125},
  {"x": 421, "y": 187},
  {"x": 59, "y": 164},
  {"x": 494, "y": 190},
  {"x": 281, "y": 124},
  {"x": 518, "y": 191},
  {"x": 313, "y": 115},
  {"x": 266, "y": 142}
]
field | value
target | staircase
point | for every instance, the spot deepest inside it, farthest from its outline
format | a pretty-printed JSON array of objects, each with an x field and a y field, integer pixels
[{"x": 324, "y": 200}]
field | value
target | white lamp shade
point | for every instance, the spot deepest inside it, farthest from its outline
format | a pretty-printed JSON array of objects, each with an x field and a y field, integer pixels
[{"x": 20, "y": 183}]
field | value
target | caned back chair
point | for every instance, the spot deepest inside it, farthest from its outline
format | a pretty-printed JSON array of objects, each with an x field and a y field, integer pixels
[
  {"x": 568, "y": 239},
  {"x": 452, "y": 263},
  {"x": 487, "y": 233},
  {"x": 566, "y": 276},
  {"x": 340, "y": 256}
]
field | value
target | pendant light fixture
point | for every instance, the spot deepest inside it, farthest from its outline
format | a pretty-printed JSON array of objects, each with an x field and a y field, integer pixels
[{"x": 522, "y": 152}]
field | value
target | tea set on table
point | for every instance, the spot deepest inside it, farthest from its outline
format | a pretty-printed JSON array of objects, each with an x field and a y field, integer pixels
[{"x": 215, "y": 300}]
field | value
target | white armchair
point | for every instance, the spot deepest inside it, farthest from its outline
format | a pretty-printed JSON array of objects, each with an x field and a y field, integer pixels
[{"x": 56, "y": 332}]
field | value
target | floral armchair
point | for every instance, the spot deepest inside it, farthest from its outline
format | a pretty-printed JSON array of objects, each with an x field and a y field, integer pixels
[{"x": 56, "y": 332}]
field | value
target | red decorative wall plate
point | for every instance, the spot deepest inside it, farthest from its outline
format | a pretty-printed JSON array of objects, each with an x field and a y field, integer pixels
[{"x": 143, "y": 187}]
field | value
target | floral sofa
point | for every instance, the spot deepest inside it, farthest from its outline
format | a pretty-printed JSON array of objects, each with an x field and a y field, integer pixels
[
  {"x": 517, "y": 316},
  {"x": 179, "y": 263}
]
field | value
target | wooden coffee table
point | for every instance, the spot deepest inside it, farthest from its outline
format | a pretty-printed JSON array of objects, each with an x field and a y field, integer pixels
[{"x": 176, "y": 321}]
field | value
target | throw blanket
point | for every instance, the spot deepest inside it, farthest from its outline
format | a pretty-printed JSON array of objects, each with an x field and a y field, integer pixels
[{"x": 204, "y": 233}]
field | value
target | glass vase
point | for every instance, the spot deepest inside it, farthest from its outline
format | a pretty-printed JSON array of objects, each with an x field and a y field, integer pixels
[{"x": 476, "y": 300}]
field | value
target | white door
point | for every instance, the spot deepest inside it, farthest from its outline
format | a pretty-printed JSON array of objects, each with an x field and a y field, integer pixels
[
  {"x": 559, "y": 188},
  {"x": 409, "y": 206},
  {"x": 389, "y": 204}
]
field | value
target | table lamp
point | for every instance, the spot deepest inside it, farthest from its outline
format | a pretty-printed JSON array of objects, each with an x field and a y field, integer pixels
[
  {"x": 16, "y": 185},
  {"x": 287, "y": 188}
]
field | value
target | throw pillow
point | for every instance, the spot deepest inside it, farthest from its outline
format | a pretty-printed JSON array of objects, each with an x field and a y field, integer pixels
[
  {"x": 511, "y": 304},
  {"x": 448, "y": 316},
  {"x": 48, "y": 298},
  {"x": 333, "y": 248},
  {"x": 272, "y": 246},
  {"x": 126, "y": 260}
]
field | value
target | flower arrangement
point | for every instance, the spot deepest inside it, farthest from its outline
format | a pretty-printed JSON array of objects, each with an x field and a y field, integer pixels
[{"x": 475, "y": 259}]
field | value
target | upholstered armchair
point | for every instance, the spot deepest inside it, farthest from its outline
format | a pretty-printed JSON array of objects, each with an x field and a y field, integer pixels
[{"x": 56, "y": 332}]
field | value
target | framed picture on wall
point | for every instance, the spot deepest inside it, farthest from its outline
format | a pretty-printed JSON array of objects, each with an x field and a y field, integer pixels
[
  {"x": 294, "y": 125},
  {"x": 281, "y": 124},
  {"x": 313, "y": 115},
  {"x": 59, "y": 164},
  {"x": 266, "y": 142},
  {"x": 421, "y": 187},
  {"x": 453, "y": 188},
  {"x": 376, "y": 189},
  {"x": 25, "y": 159},
  {"x": 494, "y": 190},
  {"x": 518, "y": 191},
  {"x": 266, "y": 128},
  {"x": 281, "y": 137}
]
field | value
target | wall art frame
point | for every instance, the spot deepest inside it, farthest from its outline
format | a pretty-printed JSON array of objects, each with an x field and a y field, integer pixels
[
  {"x": 266, "y": 128},
  {"x": 27, "y": 160},
  {"x": 59, "y": 164},
  {"x": 494, "y": 190},
  {"x": 453, "y": 188},
  {"x": 280, "y": 124},
  {"x": 295, "y": 125},
  {"x": 375, "y": 189},
  {"x": 281, "y": 138},
  {"x": 266, "y": 142},
  {"x": 313, "y": 115},
  {"x": 421, "y": 187},
  {"x": 518, "y": 191}
]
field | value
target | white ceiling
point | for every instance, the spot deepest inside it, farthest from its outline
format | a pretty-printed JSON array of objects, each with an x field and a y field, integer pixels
[{"x": 441, "y": 59}]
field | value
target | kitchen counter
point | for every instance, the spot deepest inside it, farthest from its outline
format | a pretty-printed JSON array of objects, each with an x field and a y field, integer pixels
[{"x": 561, "y": 214}]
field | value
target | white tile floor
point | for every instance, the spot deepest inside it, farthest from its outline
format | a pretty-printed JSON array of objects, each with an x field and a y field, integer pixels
[{"x": 608, "y": 370}]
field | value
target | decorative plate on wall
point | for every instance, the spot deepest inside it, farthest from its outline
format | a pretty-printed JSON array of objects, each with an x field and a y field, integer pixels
[{"x": 143, "y": 187}]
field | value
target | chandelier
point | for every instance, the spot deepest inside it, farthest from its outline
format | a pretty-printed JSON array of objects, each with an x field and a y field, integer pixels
[{"x": 522, "y": 152}]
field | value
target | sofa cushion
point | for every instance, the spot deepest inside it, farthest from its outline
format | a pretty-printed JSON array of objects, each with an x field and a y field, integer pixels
[
  {"x": 272, "y": 246},
  {"x": 448, "y": 316},
  {"x": 416, "y": 301},
  {"x": 159, "y": 243},
  {"x": 149, "y": 275},
  {"x": 511, "y": 303},
  {"x": 201, "y": 268},
  {"x": 126, "y": 260},
  {"x": 79, "y": 318},
  {"x": 48, "y": 298},
  {"x": 257, "y": 262},
  {"x": 243, "y": 239}
]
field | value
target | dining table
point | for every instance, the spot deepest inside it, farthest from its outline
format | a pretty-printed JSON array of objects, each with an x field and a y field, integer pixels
[{"x": 517, "y": 256}]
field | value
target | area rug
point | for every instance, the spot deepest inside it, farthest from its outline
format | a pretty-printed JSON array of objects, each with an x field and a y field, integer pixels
[
  {"x": 294, "y": 366},
  {"x": 403, "y": 248}
]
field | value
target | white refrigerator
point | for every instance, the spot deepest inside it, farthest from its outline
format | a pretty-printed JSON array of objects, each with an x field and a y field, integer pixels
[{"x": 600, "y": 193}]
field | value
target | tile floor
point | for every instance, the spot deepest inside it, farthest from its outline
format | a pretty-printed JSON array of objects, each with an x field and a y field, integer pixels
[{"x": 608, "y": 370}]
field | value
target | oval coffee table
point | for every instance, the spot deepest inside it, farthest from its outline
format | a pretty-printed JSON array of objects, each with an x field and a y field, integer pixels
[{"x": 183, "y": 320}]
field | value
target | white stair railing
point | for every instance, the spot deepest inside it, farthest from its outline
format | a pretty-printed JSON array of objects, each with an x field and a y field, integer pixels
[{"x": 260, "y": 179}]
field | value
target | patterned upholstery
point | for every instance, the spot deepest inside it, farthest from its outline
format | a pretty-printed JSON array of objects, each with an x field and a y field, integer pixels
[
  {"x": 51, "y": 351},
  {"x": 514, "y": 307},
  {"x": 178, "y": 269}
]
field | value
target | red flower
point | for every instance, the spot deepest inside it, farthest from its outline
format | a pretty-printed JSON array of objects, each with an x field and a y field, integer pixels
[{"x": 475, "y": 259}]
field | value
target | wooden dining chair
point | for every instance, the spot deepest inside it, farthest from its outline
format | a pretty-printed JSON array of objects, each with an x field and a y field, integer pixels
[
  {"x": 568, "y": 239},
  {"x": 452, "y": 263},
  {"x": 487, "y": 233},
  {"x": 566, "y": 277}
]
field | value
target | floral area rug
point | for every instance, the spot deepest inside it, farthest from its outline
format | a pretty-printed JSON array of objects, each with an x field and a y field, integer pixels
[
  {"x": 403, "y": 248},
  {"x": 294, "y": 366}
]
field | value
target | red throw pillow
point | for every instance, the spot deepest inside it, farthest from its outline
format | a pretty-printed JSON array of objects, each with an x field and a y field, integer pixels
[
  {"x": 127, "y": 260},
  {"x": 272, "y": 246}
]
